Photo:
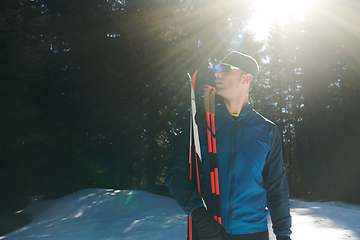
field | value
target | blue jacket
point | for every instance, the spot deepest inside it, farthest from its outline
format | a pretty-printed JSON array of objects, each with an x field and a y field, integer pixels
[{"x": 252, "y": 176}]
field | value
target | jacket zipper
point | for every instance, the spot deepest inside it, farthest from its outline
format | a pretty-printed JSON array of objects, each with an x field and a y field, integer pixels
[{"x": 232, "y": 177}]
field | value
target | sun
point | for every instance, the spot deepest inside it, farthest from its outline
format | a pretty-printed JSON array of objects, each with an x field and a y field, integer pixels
[
  {"x": 281, "y": 8},
  {"x": 268, "y": 10}
]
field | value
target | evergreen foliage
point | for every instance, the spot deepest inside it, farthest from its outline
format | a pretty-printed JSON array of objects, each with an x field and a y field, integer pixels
[
  {"x": 94, "y": 93},
  {"x": 307, "y": 90}
]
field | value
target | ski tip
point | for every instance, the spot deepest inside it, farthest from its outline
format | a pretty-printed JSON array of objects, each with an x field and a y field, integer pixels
[
  {"x": 189, "y": 76},
  {"x": 208, "y": 88},
  {"x": 193, "y": 79}
]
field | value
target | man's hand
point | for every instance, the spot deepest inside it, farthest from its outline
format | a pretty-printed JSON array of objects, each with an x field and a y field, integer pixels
[
  {"x": 283, "y": 238},
  {"x": 207, "y": 227}
]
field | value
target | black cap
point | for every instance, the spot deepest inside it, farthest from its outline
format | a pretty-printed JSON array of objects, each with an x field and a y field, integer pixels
[{"x": 244, "y": 62}]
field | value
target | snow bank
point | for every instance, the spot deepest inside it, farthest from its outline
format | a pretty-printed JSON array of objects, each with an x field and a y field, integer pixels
[
  {"x": 136, "y": 215},
  {"x": 105, "y": 214},
  {"x": 330, "y": 221}
]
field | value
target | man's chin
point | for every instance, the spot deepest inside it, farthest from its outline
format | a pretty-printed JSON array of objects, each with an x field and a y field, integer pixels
[{"x": 219, "y": 91}]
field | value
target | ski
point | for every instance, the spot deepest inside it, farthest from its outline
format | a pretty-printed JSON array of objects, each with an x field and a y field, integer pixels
[
  {"x": 209, "y": 103},
  {"x": 194, "y": 154}
]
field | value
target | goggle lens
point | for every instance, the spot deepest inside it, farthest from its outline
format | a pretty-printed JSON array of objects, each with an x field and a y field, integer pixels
[{"x": 222, "y": 68}]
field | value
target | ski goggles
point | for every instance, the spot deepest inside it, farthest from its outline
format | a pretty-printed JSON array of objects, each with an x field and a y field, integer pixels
[{"x": 224, "y": 67}]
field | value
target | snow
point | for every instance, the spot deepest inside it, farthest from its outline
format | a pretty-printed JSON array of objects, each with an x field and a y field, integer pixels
[{"x": 134, "y": 215}]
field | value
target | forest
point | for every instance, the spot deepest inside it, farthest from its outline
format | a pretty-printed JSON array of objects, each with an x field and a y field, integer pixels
[{"x": 93, "y": 94}]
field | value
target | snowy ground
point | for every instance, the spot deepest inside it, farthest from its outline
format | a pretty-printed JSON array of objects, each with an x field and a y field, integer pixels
[{"x": 96, "y": 214}]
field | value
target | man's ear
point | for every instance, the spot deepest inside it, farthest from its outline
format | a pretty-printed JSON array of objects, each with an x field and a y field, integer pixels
[{"x": 248, "y": 78}]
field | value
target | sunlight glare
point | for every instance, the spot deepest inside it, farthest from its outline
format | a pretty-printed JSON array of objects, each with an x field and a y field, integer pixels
[{"x": 268, "y": 10}]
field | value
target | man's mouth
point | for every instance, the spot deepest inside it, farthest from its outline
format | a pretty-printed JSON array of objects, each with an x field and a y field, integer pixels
[{"x": 218, "y": 83}]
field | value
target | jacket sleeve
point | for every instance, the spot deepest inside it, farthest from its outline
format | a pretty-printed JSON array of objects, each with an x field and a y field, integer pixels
[
  {"x": 276, "y": 185},
  {"x": 177, "y": 175}
]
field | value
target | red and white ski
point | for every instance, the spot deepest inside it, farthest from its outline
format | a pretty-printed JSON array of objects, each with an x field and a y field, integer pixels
[{"x": 194, "y": 154}]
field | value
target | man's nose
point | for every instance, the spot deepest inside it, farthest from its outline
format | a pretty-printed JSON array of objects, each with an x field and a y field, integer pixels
[{"x": 218, "y": 74}]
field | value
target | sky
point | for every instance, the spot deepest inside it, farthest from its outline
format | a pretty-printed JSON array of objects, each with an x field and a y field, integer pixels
[{"x": 96, "y": 214}]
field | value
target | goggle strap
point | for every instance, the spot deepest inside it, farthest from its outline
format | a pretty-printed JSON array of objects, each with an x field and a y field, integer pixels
[{"x": 231, "y": 66}]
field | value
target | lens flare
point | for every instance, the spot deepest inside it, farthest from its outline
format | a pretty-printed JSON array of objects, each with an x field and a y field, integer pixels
[{"x": 237, "y": 40}]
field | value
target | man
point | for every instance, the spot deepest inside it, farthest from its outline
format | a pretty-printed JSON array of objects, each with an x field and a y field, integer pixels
[{"x": 252, "y": 176}]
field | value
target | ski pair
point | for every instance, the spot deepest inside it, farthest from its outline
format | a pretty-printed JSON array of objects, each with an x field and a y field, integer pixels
[
  {"x": 195, "y": 152},
  {"x": 209, "y": 103}
]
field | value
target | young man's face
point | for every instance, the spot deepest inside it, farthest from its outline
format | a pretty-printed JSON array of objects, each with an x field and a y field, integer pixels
[{"x": 231, "y": 84}]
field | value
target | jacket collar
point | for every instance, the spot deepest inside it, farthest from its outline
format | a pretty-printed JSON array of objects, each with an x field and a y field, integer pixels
[{"x": 242, "y": 114}]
